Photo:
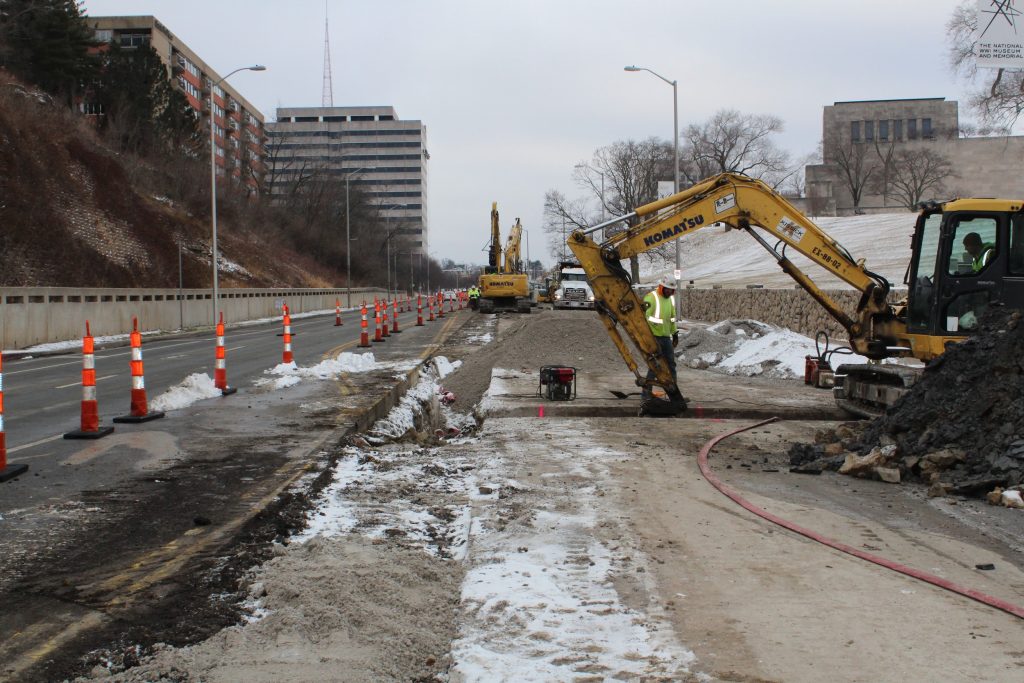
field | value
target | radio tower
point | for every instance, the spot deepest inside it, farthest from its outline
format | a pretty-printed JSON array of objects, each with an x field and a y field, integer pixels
[{"x": 328, "y": 95}]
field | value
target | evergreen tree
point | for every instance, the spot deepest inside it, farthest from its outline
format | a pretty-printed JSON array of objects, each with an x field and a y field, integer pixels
[
  {"x": 143, "y": 110},
  {"x": 47, "y": 43}
]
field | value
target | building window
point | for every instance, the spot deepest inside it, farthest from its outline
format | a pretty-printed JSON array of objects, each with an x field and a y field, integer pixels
[
  {"x": 855, "y": 131},
  {"x": 869, "y": 130},
  {"x": 105, "y": 35},
  {"x": 306, "y": 119},
  {"x": 897, "y": 129},
  {"x": 911, "y": 129},
  {"x": 362, "y": 118},
  {"x": 134, "y": 39},
  {"x": 883, "y": 130},
  {"x": 926, "y": 129},
  {"x": 335, "y": 119}
]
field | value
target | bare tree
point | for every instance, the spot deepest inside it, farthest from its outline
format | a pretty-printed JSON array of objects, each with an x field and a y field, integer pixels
[
  {"x": 731, "y": 141},
  {"x": 857, "y": 165},
  {"x": 999, "y": 97},
  {"x": 916, "y": 172},
  {"x": 631, "y": 171},
  {"x": 561, "y": 217}
]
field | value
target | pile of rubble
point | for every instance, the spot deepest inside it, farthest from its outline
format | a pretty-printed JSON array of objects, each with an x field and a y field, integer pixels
[{"x": 960, "y": 429}]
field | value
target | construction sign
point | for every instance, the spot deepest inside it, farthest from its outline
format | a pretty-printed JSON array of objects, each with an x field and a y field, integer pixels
[{"x": 999, "y": 40}]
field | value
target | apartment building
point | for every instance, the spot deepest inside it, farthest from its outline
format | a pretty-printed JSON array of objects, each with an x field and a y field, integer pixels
[
  {"x": 981, "y": 166},
  {"x": 383, "y": 155},
  {"x": 239, "y": 135}
]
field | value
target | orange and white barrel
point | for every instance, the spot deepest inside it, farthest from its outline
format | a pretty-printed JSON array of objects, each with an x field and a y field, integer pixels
[
  {"x": 220, "y": 369},
  {"x": 6, "y": 471},
  {"x": 419, "y": 310},
  {"x": 287, "y": 356},
  {"x": 364, "y": 332},
  {"x": 394, "y": 317},
  {"x": 337, "y": 312},
  {"x": 139, "y": 411},
  {"x": 377, "y": 335},
  {"x": 384, "y": 318}
]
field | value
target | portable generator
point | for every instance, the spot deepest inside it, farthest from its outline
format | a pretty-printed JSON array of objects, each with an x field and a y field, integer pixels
[{"x": 557, "y": 382}]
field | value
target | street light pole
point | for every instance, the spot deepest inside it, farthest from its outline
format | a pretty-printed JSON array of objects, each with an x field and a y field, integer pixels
[
  {"x": 213, "y": 177},
  {"x": 348, "y": 241},
  {"x": 675, "y": 157}
]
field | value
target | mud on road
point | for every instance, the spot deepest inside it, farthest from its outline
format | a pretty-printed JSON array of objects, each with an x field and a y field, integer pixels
[{"x": 582, "y": 548}]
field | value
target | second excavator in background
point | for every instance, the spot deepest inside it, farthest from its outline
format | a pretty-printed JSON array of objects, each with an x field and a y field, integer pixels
[{"x": 504, "y": 286}]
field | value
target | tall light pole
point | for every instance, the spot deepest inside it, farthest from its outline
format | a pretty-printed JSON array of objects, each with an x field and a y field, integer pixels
[
  {"x": 675, "y": 156},
  {"x": 213, "y": 176},
  {"x": 348, "y": 240}
]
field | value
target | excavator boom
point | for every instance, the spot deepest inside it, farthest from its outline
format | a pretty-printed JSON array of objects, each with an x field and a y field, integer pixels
[{"x": 746, "y": 204}]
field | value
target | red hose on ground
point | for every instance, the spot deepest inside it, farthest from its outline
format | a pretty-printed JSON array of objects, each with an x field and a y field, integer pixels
[{"x": 702, "y": 460}]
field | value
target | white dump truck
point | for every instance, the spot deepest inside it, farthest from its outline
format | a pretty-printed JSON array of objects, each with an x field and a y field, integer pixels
[{"x": 573, "y": 289}]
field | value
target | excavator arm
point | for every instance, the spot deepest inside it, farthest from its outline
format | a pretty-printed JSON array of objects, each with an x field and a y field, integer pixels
[
  {"x": 742, "y": 203},
  {"x": 513, "y": 258},
  {"x": 494, "y": 249}
]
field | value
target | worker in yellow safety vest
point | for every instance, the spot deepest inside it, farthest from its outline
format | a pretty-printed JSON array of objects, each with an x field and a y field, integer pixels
[
  {"x": 474, "y": 297},
  {"x": 661, "y": 317}
]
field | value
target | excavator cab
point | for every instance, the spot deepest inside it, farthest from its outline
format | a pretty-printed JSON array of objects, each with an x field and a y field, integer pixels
[{"x": 967, "y": 255}]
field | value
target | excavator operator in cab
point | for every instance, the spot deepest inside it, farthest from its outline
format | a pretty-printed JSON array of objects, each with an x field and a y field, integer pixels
[{"x": 981, "y": 252}]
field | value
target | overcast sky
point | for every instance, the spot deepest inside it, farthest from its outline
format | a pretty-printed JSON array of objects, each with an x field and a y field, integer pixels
[{"x": 513, "y": 94}]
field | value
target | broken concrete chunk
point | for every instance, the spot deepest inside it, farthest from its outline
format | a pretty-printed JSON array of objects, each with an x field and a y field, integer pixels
[
  {"x": 1013, "y": 499},
  {"x": 995, "y": 496},
  {"x": 861, "y": 466},
  {"x": 834, "y": 448},
  {"x": 890, "y": 475}
]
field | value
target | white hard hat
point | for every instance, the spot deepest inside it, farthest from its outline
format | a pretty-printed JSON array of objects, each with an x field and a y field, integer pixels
[{"x": 667, "y": 282}]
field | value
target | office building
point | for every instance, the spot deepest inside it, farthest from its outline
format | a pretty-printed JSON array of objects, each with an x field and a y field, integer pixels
[
  {"x": 239, "y": 135},
  {"x": 381, "y": 154},
  {"x": 873, "y": 130}
]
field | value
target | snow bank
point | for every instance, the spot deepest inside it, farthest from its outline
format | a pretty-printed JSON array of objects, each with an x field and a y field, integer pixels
[
  {"x": 194, "y": 388},
  {"x": 445, "y": 367},
  {"x": 749, "y": 348},
  {"x": 289, "y": 374}
]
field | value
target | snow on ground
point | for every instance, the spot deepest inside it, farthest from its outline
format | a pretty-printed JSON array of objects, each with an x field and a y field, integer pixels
[
  {"x": 76, "y": 344},
  {"x": 192, "y": 389},
  {"x": 445, "y": 367},
  {"x": 540, "y": 599},
  {"x": 499, "y": 389},
  {"x": 732, "y": 258},
  {"x": 749, "y": 348},
  {"x": 289, "y": 374}
]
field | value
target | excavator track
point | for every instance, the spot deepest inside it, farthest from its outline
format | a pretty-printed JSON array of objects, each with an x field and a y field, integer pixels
[{"x": 867, "y": 390}]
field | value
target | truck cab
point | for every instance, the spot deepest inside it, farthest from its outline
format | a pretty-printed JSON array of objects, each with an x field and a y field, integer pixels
[{"x": 573, "y": 290}]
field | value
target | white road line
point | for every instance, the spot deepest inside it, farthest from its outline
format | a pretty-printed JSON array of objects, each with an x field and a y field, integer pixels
[
  {"x": 35, "y": 443},
  {"x": 78, "y": 384}
]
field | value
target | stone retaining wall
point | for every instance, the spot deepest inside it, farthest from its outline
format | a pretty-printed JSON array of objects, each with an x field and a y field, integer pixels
[{"x": 791, "y": 308}]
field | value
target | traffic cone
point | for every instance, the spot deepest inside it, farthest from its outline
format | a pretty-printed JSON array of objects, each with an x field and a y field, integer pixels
[
  {"x": 90, "y": 424},
  {"x": 430, "y": 307},
  {"x": 377, "y": 335},
  {"x": 139, "y": 405},
  {"x": 220, "y": 371},
  {"x": 384, "y": 318},
  {"x": 394, "y": 318},
  {"x": 419, "y": 310},
  {"x": 6, "y": 471},
  {"x": 440, "y": 304},
  {"x": 364, "y": 333},
  {"x": 286, "y": 318},
  {"x": 337, "y": 312}
]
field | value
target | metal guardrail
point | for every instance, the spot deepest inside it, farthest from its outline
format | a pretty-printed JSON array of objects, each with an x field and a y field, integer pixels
[{"x": 37, "y": 315}]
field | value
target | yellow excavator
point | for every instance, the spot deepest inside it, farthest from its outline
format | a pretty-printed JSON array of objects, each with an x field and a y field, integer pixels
[
  {"x": 504, "y": 285},
  {"x": 950, "y": 281}
]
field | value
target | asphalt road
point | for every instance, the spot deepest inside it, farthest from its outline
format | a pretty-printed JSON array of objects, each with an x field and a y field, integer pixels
[
  {"x": 125, "y": 538},
  {"x": 42, "y": 395}
]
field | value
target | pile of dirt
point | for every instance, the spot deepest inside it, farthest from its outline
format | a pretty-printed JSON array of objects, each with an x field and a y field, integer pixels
[
  {"x": 704, "y": 347},
  {"x": 959, "y": 429},
  {"x": 526, "y": 342}
]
